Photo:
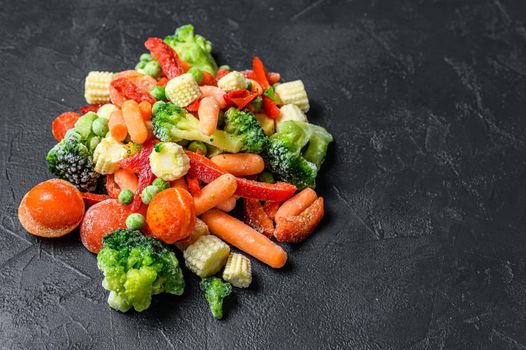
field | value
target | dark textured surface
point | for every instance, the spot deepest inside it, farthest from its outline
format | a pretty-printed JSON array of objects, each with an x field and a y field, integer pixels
[{"x": 424, "y": 244}]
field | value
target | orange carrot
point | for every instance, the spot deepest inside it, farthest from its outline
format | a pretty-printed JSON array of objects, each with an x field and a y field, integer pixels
[
  {"x": 228, "y": 205},
  {"x": 149, "y": 127},
  {"x": 117, "y": 126},
  {"x": 244, "y": 237},
  {"x": 146, "y": 110},
  {"x": 126, "y": 180},
  {"x": 208, "y": 113},
  {"x": 240, "y": 164},
  {"x": 179, "y": 183},
  {"x": 215, "y": 92},
  {"x": 215, "y": 192},
  {"x": 134, "y": 122},
  {"x": 296, "y": 204}
]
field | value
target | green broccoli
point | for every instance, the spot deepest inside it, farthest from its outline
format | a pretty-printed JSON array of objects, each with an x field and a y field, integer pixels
[
  {"x": 215, "y": 291},
  {"x": 296, "y": 152},
  {"x": 192, "y": 48},
  {"x": 242, "y": 132},
  {"x": 71, "y": 160},
  {"x": 136, "y": 267}
]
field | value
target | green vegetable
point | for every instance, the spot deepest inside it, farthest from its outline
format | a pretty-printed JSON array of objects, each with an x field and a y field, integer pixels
[
  {"x": 193, "y": 48},
  {"x": 215, "y": 291},
  {"x": 242, "y": 131},
  {"x": 153, "y": 69},
  {"x": 266, "y": 177},
  {"x": 100, "y": 126},
  {"x": 135, "y": 221},
  {"x": 83, "y": 125},
  {"x": 197, "y": 74},
  {"x": 156, "y": 106},
  {"x": 145, "y": 57},
  {"x": 296, "y": 152},
  {"x": 140, "y": 65},
  {"x": 270, "y": 93},
  {"x": 126, "y": 196},
  {"x": 257, "y": 104},
  {"x": 160, "y": 184},
  {"x": 249, "y": 85},
  {"x": 225, "y": 67},
  {"x": 158, "y": 147},
  {"x": 148, "y": 193},
  {"x": 72, "y": 160},
  {"x": 93, "y": 142},
  {"x": 197, "y": 145},
  {"x": 133, "y": 148},
  {"x": 158, "y": 93},
  {"x": 136, "y": 267}
]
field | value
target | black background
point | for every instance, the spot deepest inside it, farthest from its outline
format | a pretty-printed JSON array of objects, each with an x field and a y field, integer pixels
[{"x": 424, "y": 242}]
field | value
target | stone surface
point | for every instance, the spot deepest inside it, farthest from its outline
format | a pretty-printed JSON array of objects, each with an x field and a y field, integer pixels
[{"x": 424, "y": 243}]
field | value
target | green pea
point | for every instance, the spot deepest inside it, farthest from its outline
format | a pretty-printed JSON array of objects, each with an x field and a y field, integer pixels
[
  {"x": 197, "y": 74},
  {"x": 225, "y": 67},
  {"x": 183, "y": 143},
  {"x": 126, "y": 196},
  {"x": 145, "y": 57},
  {"x": 100, "y": 126},
  {"x": 158, "y": 93},
  {"x": 93, "y": 142},
  {"x": 266, "y": 177},
  {"x": 194, "y": 146},
  {"x": 148, "y": 193},
  {"x": 153, "y": 69},
  {"x": 160, "y": 184},
  {"x": 140, "y": 65},
  {"x": 156, "y": 106},
  {"x": 135, "y": 221}
]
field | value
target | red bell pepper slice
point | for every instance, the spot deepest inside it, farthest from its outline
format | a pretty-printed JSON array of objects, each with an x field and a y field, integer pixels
[
  {"x": 208, "y": 79},
  {"x": 93, "y": 198},
  {"x": 270, "y": 108},
  {"x": 194, "y": 106},
  {"x": 111, "y": 187},
  {"x": 260, "y": 73},
  {"x": 162, "y": 82},
  {"x": 257, "y": 218},
  {"x": 139, "y": 163},
  {"x": 127, "y": 88},
  {"x": 193, "y": 185},
  {"x": 297, "y": 228},
  {"x": 271, "y": 208},
  {"x": 170, "y": 62},
  {"x": 272, "y": 77},
  {"x": 205, "y": 170},
  {"x": 89, "y": 108},
  {"x": 221, "y": 73},
  {"x": 239, "y": 98}
]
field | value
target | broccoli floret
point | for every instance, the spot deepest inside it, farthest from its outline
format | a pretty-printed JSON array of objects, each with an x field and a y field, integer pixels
[
  {"x": 215, "y": 291},
  {"x": 245, "y": 125},
  {"x": 242, "y": 132},
  {"x": 193, "y": 48},
  {"x": 72, "y": 160},
  {"x": 136, "y": 267},
  {"x": 296, "y": 152}
]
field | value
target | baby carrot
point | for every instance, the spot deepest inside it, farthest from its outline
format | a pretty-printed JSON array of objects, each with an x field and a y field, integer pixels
[
  {"x": 240, "y": 164},
  {"x": 146, "y": 110},
  {"x": 215, "y": 192},
  {"x": 296, "y": 204},
  {"x": 117, "y": 126},
  {"x": 149, "y": 127},
  {"x": 244, "y": 237},
  {"x": 227, "y": 205},
  {"x": 208, "y": 113},
  {"x": 134, "y": 122},
  {"x": 215, "y": 92},
  {"x": 126, "y": 180}
]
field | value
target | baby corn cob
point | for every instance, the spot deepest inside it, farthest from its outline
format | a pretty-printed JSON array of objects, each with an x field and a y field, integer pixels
[
  {"x": 206, "y": 256},
  {"x": 232, "y": 81},
  {"x": 238, "y": 270},
  {"x": 293, "y": 92},
  {"x": 97, "y": 87},
  {"x": 182, "y": 90}
]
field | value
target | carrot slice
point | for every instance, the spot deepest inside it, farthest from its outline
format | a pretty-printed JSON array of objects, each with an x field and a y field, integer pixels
[
  {"x": 117, "y": 126},
  {"x": 134, "y": 121}
]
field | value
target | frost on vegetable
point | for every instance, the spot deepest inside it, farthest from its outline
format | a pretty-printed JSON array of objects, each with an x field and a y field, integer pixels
[{"x": 168, "y": 161}]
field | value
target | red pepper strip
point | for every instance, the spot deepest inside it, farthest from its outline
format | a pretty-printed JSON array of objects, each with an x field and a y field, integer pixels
[
  {"x": 297, "y": 228},
  {"x": 89, "y": 108},
  {"x": 256, "y": 217},
  {"x": 194, "y": 106},
  {"x": 272, "y": 77},
  {"x": 221, "y": 73},
  {"x": 93, "y": 198},
  {"x": 111, "y": 187},
  {"x": 270, "y": 108},
  {"x": 130, "y": 91},
  {"x": 170, "y": 63},
  {"x": 162, "y": 82},
  {"x": 260, "y": 72},
  {"x": 193, "y": 185},
  {"x": 205, "y": 170},
  {"x": 271, "y": 208},
  {"x": 208, "y": 79},
  {"x": 140, "y": 164},
  {"x": 239, "y": 98}
]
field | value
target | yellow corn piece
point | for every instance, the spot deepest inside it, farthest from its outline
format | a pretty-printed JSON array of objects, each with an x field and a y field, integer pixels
[
  {"x": 232, "y": 81},
  {"x": 206, "y": 256},
  {"x": 293, "y": 92},
  {"x": 200, "y": 229},
  {"x": 182, "y": 90},
  {"x": 238, "y": 270},
  {"x": 107, "y": 155},
  {"x": 267, "y": 124},
  {"x": 97, "y": 87}
]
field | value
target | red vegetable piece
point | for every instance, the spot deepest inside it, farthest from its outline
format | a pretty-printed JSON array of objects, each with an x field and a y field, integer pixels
[
  {"x": 271, "y": 208},
  {"x": 193, "y": 185},
  {"x": 257, "y": 218},
  {"x": 63, "y": 123},
  {"x": 260, "y": 73},
  {"x": 208, "y": 79},
  {"x": 170, "y": 63},
  {"x": 298, "y": 228},
  {"x": 111, "y": 187},
  {"x": 194, "y": 106},
  {"x": 162, "y": 82},
  {"x": 93, "y": 198},
  {"x": 272, "y": 77},
  {"x": 89, "y": 108},
  {"x": 270, "y": 108},
  {"x": 221, "y": 73},
  {"x": 127, "y": 88}
]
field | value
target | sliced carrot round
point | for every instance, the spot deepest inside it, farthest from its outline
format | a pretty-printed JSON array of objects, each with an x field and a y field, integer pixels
[{"x": 63, "y": 123}]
